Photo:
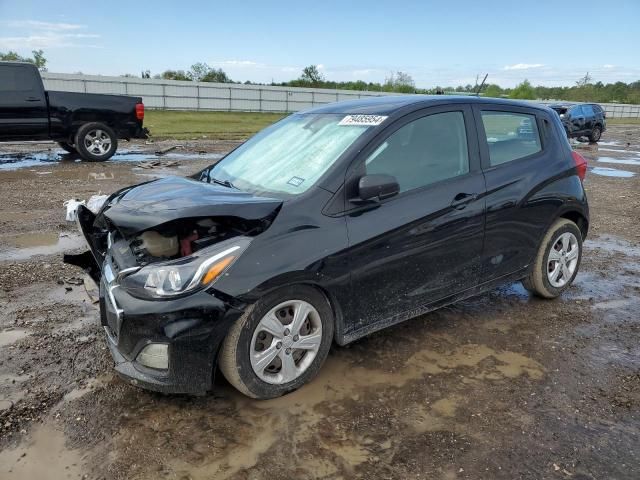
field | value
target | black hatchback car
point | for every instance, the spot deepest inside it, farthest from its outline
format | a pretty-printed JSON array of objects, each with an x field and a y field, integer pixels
[
  {"x": 584, "y": 120},
  {"x": 329, "y": 225}
]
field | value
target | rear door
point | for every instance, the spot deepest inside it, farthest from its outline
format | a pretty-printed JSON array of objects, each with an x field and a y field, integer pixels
[
  {"x": 589, "y": 117},
  {"x": 517, "y": 165},
  {"x": 425, "y": 243},
  {"x": 577, "y": 119},
  {"x": 23, "y": 107}
]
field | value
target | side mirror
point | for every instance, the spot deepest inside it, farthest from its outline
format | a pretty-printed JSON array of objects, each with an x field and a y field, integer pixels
[{"x": 377, "y": 186}]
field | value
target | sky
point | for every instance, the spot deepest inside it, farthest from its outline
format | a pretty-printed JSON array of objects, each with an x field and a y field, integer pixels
[{"x": 444, "y": 43}]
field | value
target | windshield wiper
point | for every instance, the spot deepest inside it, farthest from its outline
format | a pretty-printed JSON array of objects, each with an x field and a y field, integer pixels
[{"x": 224, "y": 183}]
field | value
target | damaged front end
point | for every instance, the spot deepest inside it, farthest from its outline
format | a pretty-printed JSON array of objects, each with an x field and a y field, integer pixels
[
  {"x": 170, "y": 219},
  {"x": 155, "y": 250}
]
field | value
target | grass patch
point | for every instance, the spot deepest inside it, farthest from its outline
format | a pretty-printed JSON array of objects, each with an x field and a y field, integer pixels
[
  {"x": 623, "y": 121},
  {"x": 214, "y": 125}
]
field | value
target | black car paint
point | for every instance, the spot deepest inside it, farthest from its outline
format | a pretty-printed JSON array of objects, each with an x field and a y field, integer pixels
[
  {"x": 577, "y": 122},
  {"x": 36, "y": 114},
  {"x": 154, "y": 203},
  {"x": 378, "y": 262}
]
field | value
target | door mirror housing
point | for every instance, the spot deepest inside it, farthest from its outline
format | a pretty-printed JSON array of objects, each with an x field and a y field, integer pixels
[{"x": 377, "y": 186}]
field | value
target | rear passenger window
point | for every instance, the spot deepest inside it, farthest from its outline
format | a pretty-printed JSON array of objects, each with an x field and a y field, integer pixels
[
  {"x": 423, "y": 151},
  {"x": 588, "y": 110},
  {"x": 510, "y": 136}
]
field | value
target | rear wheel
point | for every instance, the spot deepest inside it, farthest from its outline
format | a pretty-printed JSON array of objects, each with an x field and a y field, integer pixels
[
  {"x": 279, "y": 344},
  {"x": 557, "y": 262},
  {"x": 96, "y": 142},
  {"x": 67, "y": 147},
  {"x": 596, "y": 133}
]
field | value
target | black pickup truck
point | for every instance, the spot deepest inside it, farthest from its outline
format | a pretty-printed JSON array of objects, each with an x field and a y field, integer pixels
[{"x": 87, "y": 123}]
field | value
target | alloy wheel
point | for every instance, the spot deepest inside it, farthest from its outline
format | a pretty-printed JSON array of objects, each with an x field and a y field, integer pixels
[
  {"x": 285, "y": 342},
  {"x": 97, "y": 142},
  {"x": 562, "y": 260}
]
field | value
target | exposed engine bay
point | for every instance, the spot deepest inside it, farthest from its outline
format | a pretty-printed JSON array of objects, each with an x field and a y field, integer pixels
[
  {"x": 169, "y": 219},
  {"x": 184, "y": 237}
]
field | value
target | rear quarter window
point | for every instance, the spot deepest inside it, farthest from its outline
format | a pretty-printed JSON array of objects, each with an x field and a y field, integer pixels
[{"x": 510, "y": 136}]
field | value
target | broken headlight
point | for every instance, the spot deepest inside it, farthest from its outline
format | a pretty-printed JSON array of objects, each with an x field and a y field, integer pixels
[{"x": 187, "y": 274}]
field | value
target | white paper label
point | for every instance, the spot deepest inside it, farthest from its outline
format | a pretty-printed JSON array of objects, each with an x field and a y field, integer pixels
[{"x": 362, "y": 120}]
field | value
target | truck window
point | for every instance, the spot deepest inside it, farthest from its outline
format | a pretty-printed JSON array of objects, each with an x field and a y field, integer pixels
[{"x": 17, "y": 78}]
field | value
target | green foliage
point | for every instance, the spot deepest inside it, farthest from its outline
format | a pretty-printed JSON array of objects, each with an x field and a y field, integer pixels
[
  {"x": 523, "y": 91},
  {"x": 399, "y": 82},
  {"x": 492, "y": 90},
  {"x": 174, "y": 75},
  {"x": 311, "y": 75},
  {"x": 38, "y": 58}
]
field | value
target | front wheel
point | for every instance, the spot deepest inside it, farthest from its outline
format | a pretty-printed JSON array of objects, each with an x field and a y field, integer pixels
[
  {"x": 595, "y": 135},
  {"x": 96, "y": 142},
  {"x": 279, "y": 344},
  {"x": 557, "y": 262}
]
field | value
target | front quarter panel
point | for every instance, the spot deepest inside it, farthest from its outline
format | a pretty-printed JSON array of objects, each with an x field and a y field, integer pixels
[{"x": 301, "y": 246}]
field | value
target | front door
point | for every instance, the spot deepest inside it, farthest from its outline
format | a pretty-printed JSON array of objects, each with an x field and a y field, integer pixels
[{"x": 426, "y": 243}]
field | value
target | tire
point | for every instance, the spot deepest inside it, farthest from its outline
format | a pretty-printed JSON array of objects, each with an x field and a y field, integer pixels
[
  {"x": 540, "y": 280},
  {"x": 247, "y": 339},
  {"x": 596, "y": 133},
  {"x": 67, "y": 147},
  {"x": 95, "y": 142}
]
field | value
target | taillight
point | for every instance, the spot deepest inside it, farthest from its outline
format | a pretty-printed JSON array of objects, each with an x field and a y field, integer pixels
[
  {"x": 140, "y": 111},
  {"x": 581, "y": 164}
]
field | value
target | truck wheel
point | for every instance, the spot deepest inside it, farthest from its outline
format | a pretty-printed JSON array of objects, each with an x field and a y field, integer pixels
[
  {"x": 279, "y": 344},
  {"x": 96, "y": 142},
  {"x": 596, "y": 133},
  {"x": 67, "y": 147}
]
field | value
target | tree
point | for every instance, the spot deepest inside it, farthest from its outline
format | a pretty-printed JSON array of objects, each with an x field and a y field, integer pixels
[
  {"x": 492, "y": 90},
  {"x": 174, "y": 75},
  {"x": 38, "y": 59},
  {"x": 312, "y": 75},
  {"x": 523, "y": 91},
  {"x": 584, "y": 81},
  {"x": 217, "y": 76},
  {"x": 399, "y": 82}
]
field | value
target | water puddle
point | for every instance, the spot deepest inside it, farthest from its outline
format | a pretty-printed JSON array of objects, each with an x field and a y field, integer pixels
[
  {"x": 44, "y": 456},
  {"x": 14, "y": 161},
  {"x": 620, "y": 161},
  {"x": 611, "y": 172},
  {"x": 7, "y": 337},
  {"x": 27, "y": 245},
  {"x": 636, "y": 152}
]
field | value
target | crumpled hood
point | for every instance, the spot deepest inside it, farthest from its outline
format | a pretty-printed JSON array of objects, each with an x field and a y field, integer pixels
[{"x": 172, "y": 198}]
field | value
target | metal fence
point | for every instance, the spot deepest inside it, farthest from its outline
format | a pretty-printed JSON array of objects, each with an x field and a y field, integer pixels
[{"x": 178, "y": 95}]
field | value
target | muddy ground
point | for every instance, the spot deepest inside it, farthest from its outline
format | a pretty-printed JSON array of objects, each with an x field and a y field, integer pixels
[{"x": 499, "y": 386}]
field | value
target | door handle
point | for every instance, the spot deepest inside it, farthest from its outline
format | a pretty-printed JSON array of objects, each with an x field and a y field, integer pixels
[
  {"x": 462, "y": 199},
  {"x": 32, "y": 99}
]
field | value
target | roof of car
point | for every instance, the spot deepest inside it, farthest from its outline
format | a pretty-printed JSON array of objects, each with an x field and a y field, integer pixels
[{"x": 386, "y": 104}]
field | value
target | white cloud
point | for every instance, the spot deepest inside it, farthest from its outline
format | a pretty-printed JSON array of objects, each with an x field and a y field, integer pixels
[
  {"x": 523, "y": 66},
  {"x": 608, "y": 66},
  {"x": 38, "y": 25},
  {"x": 237, "y": 63},
  {"x": 35, "y": 34}
]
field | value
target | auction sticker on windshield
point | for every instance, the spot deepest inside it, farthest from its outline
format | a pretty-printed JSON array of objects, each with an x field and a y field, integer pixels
[{"x": 362, "y": 120}]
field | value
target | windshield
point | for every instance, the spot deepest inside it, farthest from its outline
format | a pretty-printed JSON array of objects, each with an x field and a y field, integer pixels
[{"x": 288, "y": 157}]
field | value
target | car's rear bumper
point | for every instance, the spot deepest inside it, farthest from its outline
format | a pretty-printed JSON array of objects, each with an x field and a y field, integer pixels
[{"x": 193, "y": 327}]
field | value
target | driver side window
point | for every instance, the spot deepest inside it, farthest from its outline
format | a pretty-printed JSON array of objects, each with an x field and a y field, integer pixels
[{"x": 424, "y": 151}]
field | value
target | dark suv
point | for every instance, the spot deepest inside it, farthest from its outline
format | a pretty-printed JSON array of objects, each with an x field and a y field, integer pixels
[
  {"x": 584, "y": 120},
  {"x": 329, "y": 225}
]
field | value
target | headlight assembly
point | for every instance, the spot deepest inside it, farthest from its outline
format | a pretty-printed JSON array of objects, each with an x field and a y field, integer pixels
[{"x": 187, "y": 274}]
